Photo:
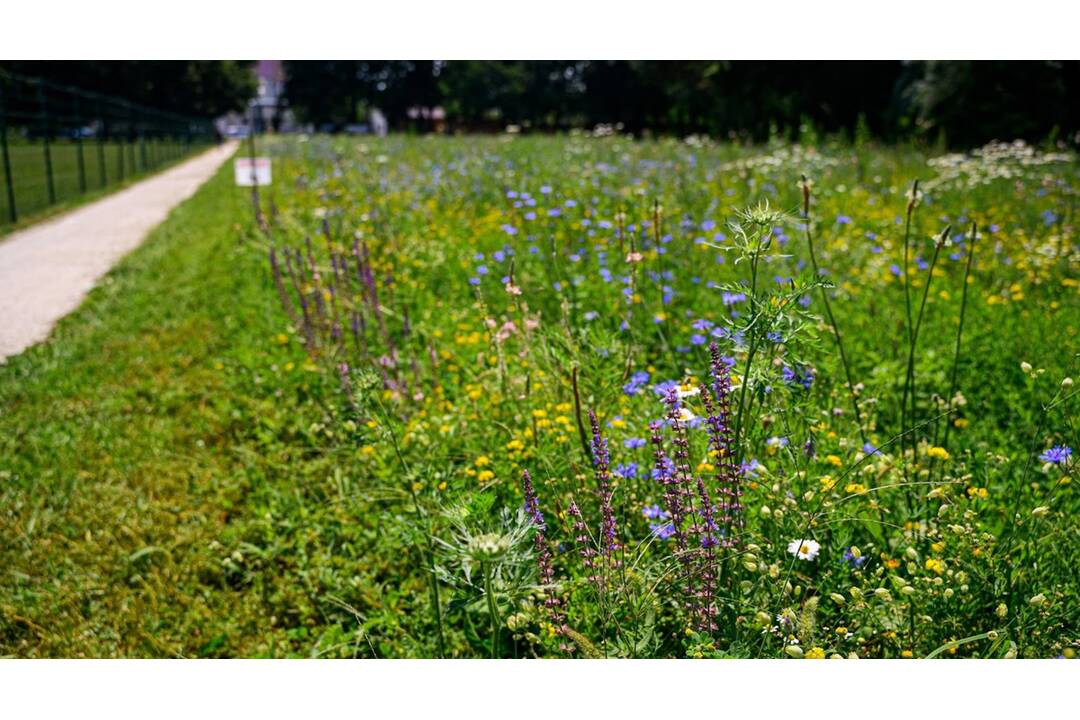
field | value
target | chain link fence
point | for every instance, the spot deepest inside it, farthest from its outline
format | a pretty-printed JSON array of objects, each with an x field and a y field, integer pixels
[{"x": 59, "y": 143}]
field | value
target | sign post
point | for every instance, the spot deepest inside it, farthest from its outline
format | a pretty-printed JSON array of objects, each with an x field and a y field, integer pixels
[{"x": 252, "y": 172}]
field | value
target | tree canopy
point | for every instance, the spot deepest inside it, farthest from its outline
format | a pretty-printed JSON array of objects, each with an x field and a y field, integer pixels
[
  {"x": 965, "y": 103},
  {"x": 202, "y": 88}
]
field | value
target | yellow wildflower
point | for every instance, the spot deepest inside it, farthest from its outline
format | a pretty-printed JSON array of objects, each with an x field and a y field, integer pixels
[{"x": 938, "y": 453}]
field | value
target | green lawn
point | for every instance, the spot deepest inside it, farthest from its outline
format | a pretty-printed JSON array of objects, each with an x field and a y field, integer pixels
[
  {"x": 106, "y": 166},
  {"x": 135, "y": 475},
  {"x": 183, "y": 474}
]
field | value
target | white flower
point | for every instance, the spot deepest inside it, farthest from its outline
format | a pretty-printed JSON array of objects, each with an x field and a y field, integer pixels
[
  {"x": 804, "y": 549},
  {"x": 685, "y": 391}
]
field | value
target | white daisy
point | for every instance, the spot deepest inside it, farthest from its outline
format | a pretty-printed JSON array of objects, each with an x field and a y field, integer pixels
[
  {"x": 685, "y": 391},
  {"x": 804, "y": 549}
]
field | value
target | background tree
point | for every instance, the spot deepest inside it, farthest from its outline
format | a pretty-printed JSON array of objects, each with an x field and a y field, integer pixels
[{"x": 203, "y": 88}]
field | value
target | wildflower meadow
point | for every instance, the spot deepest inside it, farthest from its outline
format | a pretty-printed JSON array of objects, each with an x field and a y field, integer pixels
[{"x": 571, "y": 396}]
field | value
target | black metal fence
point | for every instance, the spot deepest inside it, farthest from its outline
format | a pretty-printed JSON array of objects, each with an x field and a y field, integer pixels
[{"x": 58, "y": 143}]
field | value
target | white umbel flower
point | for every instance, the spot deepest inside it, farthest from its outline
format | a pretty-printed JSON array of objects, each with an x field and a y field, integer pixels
[{"x": 804, "y": 549}]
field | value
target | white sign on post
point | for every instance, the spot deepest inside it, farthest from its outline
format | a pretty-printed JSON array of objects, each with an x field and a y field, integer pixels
[{"x": 249, "y": 171}]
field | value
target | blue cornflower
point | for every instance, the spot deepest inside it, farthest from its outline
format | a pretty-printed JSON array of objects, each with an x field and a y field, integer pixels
[
  {"x": 654, "y": 512},
  {"x": 855, "y": 562},
  {"x": 698, "y": 339},
  {"x": 662, "y": 389},
  {"x": 702, "y": 324},
  {"x": 799, "y": 375},
  {"x": 662, "y": 530},
  {"x": 637, "y": 381},
  {"x": 626, "y": 470},
  {"x": 720, "y": 332},
  {"x": 1057, "y": 454},
  {"x": 633, "y": 443},
  {"x": 731, "y": 298}
]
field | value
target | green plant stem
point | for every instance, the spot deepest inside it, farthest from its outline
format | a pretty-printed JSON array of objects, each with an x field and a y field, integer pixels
[
  {"x": 909, "y": 380},
  {"x": 433, "y": 583},
  {"x": 749, "y": 363},
  {"x": 959, "y": 333},
  {"x": 493, "y": 612},
  {"x": 835, "y": 328}
]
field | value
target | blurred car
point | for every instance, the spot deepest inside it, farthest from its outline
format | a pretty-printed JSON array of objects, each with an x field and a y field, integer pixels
[{"x": 237, "y": 131}]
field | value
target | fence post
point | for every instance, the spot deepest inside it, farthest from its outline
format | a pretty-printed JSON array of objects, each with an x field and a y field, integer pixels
[
  {"x": 120, "y": 156},
  {"x": 254, "y": 184},
  {"x": 79, "y": 146},
  {"x": 101, "y": 134},
  {"x": 45, "y": 135},
  {"x": 140, "y": 126},
  {"x": 13, "y": 214},
  {"x": 132, "y": 129}
]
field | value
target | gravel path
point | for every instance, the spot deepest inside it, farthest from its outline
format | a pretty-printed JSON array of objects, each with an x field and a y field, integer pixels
[{"x": 46, "y": 270}]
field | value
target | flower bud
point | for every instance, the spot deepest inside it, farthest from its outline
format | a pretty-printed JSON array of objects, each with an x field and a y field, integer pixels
[
  {"x": 1038, "y": 600},
  {"x": 1066, "y": 383},
  {"x": 794, "y": 651},
  {"x": 838, "y": 598},
  {"x": 1040, "y": 511},
  {"x": 1025, "y": 366}
]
